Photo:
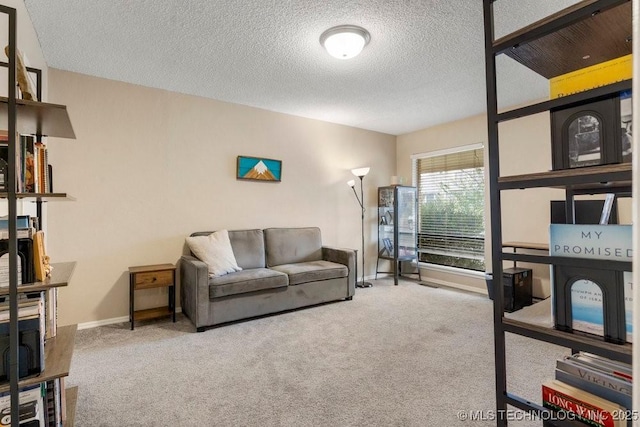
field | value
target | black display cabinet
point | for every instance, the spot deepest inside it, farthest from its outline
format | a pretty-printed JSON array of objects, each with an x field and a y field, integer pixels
[{"x": 397, "y": 229}]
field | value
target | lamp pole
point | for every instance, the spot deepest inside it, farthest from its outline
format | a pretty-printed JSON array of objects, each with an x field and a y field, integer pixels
[
  {"x": 362, "y": 284},
  {"x": 360, "y": 173}
]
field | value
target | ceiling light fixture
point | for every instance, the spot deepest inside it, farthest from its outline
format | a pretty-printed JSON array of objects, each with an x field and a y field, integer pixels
[{"x": 345, "y": 41}]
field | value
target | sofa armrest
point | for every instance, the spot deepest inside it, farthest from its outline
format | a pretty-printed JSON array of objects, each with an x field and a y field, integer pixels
[
  {"x": 194, "y": 290},
  {"x": 346, "y": 257}
]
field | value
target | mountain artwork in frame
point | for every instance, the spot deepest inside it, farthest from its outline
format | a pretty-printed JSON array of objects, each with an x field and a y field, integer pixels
[{"x": 259, "y": 169}]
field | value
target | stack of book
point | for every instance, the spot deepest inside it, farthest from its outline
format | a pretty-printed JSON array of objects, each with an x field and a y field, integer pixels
[
  {"x": 43, "y": 404},
  {"x": 593, "y": 389},
  {"x": 33, "y": 172}
]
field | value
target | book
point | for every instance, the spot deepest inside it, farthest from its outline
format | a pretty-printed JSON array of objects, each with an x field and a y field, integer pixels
[
  {"x": 22, "y": 222},
  {"x": 63, "y": 400},
  {"x": 586, "y": 407},
  {"x": 594, "y": 388},
  {"x": 29, "y": 163},
  {"x": 593, "y": 242},
  {"x": 51, "y": 319},
  {"x": 40, "y": 258},
  {"x": 26, "y": 308},
  {"x": 22, "y": 233},
  {"x": 611, "y": 367},
  {"x": 602, "y": 74},
  {"x": 31, "y": 411},
  {"x": 388, "y": 246},
  {"x": 597, "y": 379}
]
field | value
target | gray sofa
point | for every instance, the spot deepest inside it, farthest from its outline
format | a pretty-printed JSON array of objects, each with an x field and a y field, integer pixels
[{"x": 282, "y": 269}]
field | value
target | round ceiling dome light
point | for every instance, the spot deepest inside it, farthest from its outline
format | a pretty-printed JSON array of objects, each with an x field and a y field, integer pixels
[{"x": 345, "y": 41}]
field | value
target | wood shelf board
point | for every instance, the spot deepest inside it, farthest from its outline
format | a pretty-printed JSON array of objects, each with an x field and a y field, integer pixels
[
  {"x": 526, "y": 245},
  {"x": 60, "y": 276},
  {"x": 596, "y": 176},
  {"x": 565, "y": 101},
  {"x": 39, "y": 118},
  {"x": 151, "y": 268},
  {"x": 58, "y": 352},
  {"x": 152, "y": 313},
  {"x": 603, "y": 37},
  {"x": 40, "y": 196},
  {"x": 602, "y": 264},
  {"x": 621, "y": 352},
  {"x": 72, "y": 401}
]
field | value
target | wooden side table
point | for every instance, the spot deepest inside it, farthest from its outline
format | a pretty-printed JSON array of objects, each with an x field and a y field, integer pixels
[{"x": 147, "y": 277}]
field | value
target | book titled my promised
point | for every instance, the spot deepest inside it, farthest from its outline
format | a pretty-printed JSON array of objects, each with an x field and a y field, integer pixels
[{"x": 612, "y": 242}]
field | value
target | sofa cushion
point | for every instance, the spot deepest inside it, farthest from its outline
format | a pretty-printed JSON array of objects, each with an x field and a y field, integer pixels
[
  {"x": 248, "y": 247},
  {"x": 215, "y": 251},
  {"x": 255, "y": 279},
  {"x": 292, "y": 245},
  {"x": 304, "y": 272}
]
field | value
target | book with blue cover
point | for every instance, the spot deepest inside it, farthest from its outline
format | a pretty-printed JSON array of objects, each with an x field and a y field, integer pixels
[{"x": 612, "y": 242}]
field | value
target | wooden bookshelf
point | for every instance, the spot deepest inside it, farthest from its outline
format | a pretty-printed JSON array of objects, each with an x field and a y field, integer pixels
[
  {"x": 548, "y": 46},
  {"x": 39, "y": 118},
  {"x": 60, "y": 276},
  {"x": 57, "y": 358},
  {"x": 606, "y": 176},
  {"x": 565, "y": 101},
  {"x": 575, "y": 341},
  {"x": 586, "y": 33},
  {"x": 72, "y": 400}
]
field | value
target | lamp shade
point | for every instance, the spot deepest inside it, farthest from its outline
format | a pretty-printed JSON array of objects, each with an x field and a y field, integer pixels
[
  {"x": 351, "y": 183},
  {"x": 360, "y": 172},
  {"x": 345, "y": 41}
]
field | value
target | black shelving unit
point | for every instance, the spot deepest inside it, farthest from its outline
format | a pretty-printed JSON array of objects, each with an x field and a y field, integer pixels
[
  {"x": 38, "y": 119},
  {"x": 548, "y": 48}
]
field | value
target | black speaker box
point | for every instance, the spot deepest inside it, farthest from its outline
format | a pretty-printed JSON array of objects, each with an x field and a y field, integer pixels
[{"x": 517, "y": 288}]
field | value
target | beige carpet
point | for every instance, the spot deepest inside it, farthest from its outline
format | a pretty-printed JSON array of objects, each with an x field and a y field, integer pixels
[{"x": 406, "y": 355}]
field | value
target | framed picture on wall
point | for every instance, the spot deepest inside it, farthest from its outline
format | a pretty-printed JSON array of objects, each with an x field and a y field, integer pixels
[{"x": 259, "y": 169}]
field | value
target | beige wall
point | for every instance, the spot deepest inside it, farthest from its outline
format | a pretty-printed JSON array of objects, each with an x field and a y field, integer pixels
[{"x": 149, "y": 167}]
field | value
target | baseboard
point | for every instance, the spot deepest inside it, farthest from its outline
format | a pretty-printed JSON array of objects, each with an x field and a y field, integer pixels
[
  {"x": 112, "y": 321},
  {"x": 448, "y": 284}
]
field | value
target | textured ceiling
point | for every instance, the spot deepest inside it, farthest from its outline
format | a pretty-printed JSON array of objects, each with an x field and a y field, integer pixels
[{"x": 424, "y": 64}]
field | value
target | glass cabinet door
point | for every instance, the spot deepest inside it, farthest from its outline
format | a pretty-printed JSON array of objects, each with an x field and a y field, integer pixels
[
  {"x": 386, "y": 217},
  {"x": 397, "y": 222},
  {"x": 406, "y": 219},
  {"x": 397, "y": 231}
]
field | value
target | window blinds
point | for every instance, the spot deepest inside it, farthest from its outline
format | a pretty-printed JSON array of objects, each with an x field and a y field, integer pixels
[{"x": 451, "y": 208}]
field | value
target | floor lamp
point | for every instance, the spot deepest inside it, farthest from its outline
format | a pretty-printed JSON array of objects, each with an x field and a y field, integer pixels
[{"x": 360, "y": 173}]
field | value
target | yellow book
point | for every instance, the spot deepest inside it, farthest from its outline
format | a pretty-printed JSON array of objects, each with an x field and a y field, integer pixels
[{"x": 602, "y": 74}]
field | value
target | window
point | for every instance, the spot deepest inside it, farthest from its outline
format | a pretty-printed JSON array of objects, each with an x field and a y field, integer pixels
[{"x": 451, "y": 207}]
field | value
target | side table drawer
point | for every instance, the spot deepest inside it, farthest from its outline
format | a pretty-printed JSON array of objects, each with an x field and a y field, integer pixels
[{"x": 153, "y": 279}]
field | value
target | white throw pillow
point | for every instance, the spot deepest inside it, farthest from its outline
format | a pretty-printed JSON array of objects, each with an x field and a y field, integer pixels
[{"x": 215, "y": 251}]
